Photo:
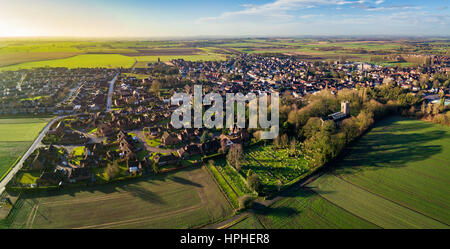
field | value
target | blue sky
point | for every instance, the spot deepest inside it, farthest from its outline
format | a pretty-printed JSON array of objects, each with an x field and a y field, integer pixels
[{"x": 170, "y": 18}]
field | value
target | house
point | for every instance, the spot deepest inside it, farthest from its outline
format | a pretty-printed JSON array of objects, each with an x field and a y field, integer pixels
[
  {"x": 59, "y": 129},
  {"x": 134, "y": 166},
  {"x": 47, "y": 178},
  {"x": 127, "y": 149},
  {"x": 225, "y": 142},
  {"x": 104, "y": 130},
  {"x": 210, "y": 147},
  {"x": 189, "y": 150},
  {"x": 93, "y": 149},
  {"x": 169, "y": 139},
  {"x": 162, "y": 160},
  {"x": 79, "y": 174}
]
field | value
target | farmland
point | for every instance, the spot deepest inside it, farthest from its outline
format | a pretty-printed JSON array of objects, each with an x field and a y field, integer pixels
[
  {"x": 87, "y": 60},
  {"x": 183, "y": 199},
  {"x": 29, "y": 53},
  {"x": 15, "y": 137},
  {"x": 396, "y": 176}
]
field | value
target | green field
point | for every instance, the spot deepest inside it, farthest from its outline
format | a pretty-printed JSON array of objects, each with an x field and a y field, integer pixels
[
  {"x": 85, "y": 60},
  {"x": 249, "y": 222},
  {"x": 396, "y": 176},
  {"x": 182, "y": 199},
  {"x": 16, "y": 135}
]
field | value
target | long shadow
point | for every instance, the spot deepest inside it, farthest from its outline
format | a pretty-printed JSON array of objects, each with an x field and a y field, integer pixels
[
  {"x": 280, "y": 212},
  {"x": 184, "y": 181},
  {"x": 144, "y": 194},
  {"x": 382, "y": 147},
  {"x": 113, "y": 187}
]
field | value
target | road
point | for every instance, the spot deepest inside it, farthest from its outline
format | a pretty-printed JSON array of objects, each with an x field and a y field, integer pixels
[
  {"x": 140, "y": 136},
  {"x": 30, "y": 150},
  {"x": 110, "y": 93}
]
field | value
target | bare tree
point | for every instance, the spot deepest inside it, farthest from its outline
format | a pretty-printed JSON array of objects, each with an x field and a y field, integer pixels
[{"x": 234, "y": 156}]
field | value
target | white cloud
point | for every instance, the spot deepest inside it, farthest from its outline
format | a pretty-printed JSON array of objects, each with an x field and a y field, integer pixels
[
  {"x": 379, "y": 2},
  {"x": 279, "y": 9}
]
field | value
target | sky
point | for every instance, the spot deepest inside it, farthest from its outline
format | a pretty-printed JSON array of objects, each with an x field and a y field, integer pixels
[{"x": 214, "y": 18}]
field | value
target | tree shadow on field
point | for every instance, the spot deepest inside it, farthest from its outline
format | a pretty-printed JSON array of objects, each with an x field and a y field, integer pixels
[
  {"x": 383, "y": 148},
  {"x": 280, "y": 212},
  {"x": 131, "y": 185},
  {"x": 184, "y": 181},
  {"x": 144, "y": 194}
]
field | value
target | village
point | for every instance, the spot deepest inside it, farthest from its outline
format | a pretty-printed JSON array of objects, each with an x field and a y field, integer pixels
[{"x": 94, "y": 145}]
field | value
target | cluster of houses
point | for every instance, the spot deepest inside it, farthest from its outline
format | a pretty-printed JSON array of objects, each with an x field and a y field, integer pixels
[
  {"x": 253, "y": 73},
  {"x": 53, "y": 90}
]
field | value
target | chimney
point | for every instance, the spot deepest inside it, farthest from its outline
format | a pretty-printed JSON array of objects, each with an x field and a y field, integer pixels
[{"x": 345, "y": 107}]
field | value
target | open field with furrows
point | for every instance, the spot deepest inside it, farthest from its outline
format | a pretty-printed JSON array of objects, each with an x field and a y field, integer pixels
[
  {"x": 16, "y": 135},
  {"x": 307, "y": 209},
  {"x": 182, "y": 199},
  {"x": 405, "y": 162},
  {"x": 395, "y": 176}
]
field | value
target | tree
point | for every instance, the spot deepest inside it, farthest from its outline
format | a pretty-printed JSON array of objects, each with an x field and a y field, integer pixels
[
  {"x": 254, "y": 182},
  {"x": 112, "y": 170},
  {"x": 155, "y": 168},
  {"x": 312, "y": 126},
  {"x": 293, "y": 146},
  {"x": 156, "y": 87},
  {"x": 234, "y": 156},
  {"x": 350, "y": 129},
  {"x": 246, "y": 201},
  {"x": 204, "y": 137},
  {"x": 284, "y": 141}
]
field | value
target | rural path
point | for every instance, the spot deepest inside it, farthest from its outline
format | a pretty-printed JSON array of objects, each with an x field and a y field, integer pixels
[
  {"x": 110, "y": 93},
  {"x": 30, "y": 150}
]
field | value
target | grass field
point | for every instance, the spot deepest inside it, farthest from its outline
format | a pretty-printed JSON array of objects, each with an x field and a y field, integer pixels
[
  {"x": 85, "y": 60},
  {"x": 396, "y": 176},
  {"x": 182, "y": 199},
  {"x": 16, "y": 135}
]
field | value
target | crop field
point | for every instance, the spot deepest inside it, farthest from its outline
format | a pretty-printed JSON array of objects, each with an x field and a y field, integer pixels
[
  {"x": 396, "y": 176},
  {"x": 307, "y": 209},
  {"x": 182, "y": 199},
  {"x": 273, "y": 166},
  {"x": 29, "y": 53},
  {"x": 16, "y": 135},
  {"x": 249, "y": 222},
  {"x": 85, "y": 60}
]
